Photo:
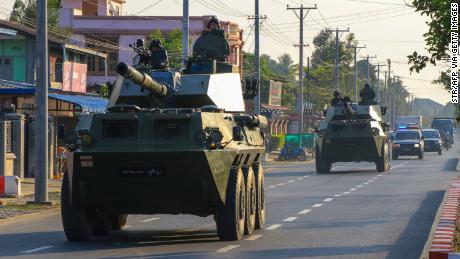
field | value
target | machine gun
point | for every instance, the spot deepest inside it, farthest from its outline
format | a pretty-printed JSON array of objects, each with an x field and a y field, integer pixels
[{"x": 144, "y": 54}]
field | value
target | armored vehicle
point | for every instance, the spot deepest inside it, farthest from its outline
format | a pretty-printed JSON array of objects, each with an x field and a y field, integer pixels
[
  {"x": 352, "y": 133},
  {"x": 169, "y": 143}
]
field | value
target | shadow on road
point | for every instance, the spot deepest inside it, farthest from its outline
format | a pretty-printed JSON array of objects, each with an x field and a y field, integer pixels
[
  {"x": 409, "y": 243},
  {"x": 451, "y": 165}
]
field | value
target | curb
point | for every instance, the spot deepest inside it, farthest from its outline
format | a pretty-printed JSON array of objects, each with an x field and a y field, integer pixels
[{"x": 441, "y": 240}]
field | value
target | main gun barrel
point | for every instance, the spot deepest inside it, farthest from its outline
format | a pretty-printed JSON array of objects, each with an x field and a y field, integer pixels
[{"x": 141, "y": 79}]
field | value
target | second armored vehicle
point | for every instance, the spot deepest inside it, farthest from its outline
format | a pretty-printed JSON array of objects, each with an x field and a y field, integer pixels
[{"x": 352, "y": 133}]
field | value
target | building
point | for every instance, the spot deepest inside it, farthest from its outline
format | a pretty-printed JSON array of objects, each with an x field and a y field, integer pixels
[
  {"x": 18, "y": 64},
  {"x": 99, "y": 24}
]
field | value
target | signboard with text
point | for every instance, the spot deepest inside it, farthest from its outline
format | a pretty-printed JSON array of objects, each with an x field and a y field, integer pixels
[
  {"x": 276, "y": 88},
  {"x": 74, "y": 77}
]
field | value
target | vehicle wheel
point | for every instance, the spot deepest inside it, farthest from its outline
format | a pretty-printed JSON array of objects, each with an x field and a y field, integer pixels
[
  {"x": 102, "y": 224},
  {"x": 230, "y": 217},
  {"x": 260, "y": 186},
  {"x": 420, "y": 155},
  {"x": 251, "y": 200},
  {"x": 322, "y": 166},
  {"x": 119, "y": 221},
  {"x": 383, "y": 163},
  {"x": 440, "y": 151},
  {"x": 74, "y": 221}
]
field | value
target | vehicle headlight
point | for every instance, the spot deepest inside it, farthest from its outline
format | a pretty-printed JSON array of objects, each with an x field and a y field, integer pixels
[
  {"x": 86, "y": 139},
  {"x": 417, "y": 145}
]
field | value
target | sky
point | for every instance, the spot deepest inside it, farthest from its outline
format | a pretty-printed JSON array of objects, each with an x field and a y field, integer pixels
[{"x": 388, "y": 28}]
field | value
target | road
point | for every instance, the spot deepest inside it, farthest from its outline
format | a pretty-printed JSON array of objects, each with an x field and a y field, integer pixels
[{"x": 352, "y": 212}]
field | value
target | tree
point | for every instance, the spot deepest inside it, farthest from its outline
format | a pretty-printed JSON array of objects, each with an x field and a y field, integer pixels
[
  {"x": 437, "y": 38},
  {"x": 26, "y": 12}
]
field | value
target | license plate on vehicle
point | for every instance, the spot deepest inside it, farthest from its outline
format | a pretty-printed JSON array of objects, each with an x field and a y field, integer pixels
[{"x": 147, "y": 172}]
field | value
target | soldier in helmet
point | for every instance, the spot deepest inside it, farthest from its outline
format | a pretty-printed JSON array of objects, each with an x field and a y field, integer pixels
[
  {"x": 212, "y": 44},
  {"x": 158, "y": 55},
  {"x": 337, "y": 98},
  {"x": 367, "y": 95}
]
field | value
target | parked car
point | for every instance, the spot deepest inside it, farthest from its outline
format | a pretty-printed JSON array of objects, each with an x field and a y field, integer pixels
[{"x": 432, "y": 140}]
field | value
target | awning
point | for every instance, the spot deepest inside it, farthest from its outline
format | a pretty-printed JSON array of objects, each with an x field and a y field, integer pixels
[{"x": 88, "y": 104}]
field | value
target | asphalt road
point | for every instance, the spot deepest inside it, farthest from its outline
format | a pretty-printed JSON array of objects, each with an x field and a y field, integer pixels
[{"x": 352, "y": 212}]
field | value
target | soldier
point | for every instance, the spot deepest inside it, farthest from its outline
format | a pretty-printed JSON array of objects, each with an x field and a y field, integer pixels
[
  {"x": 367, "y": 95},
  {"x": 158, "y": 55},
  {"x": 337, "y": 98},
  {"x": 212, "y": 44}
]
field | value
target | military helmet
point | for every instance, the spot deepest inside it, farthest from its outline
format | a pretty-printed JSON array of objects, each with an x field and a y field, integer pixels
[
  {"x": 213, "y": 19},
  {"x": 156, "y": 43},
  {"x": 336, "y": 93}
]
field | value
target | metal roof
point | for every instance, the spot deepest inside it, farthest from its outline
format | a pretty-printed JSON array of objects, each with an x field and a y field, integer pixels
[{"x": 88, "y": 104}]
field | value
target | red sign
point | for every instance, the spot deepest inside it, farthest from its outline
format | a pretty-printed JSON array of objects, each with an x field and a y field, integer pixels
[{"x": 74, "y": 77}]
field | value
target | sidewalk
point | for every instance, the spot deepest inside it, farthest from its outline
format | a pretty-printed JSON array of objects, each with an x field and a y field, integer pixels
[{"x": 28, "y": 191}]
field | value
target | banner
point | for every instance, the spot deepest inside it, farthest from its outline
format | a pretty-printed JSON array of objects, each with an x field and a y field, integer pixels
[
  {"x": 74, "y": 77},
  {"x": 276, "y": 88}
]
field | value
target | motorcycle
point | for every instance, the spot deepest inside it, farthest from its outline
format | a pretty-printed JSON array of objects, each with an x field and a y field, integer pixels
[
  {"x": 287, "y": 153},
  {"x": 446, "y": 141}
]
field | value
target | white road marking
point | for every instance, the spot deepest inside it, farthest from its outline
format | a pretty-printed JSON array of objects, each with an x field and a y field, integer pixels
[
  {"x": 317, "y": 205},
  {"x": 36, "y": 249},
  {"x": 338, "y": 195},
  {"x": 380, "y": 175},
  {"x": 398, "y": 166},
  {"x": 281, "y": 184},
  {"x": 227, "y": 248},
  {"x": 253, "y": 237},
  {"x": 328, "y": 199},
  {"x": 371, "y": 180},
  {"x": 303, "y": 212},
  {"x": 272, "y": 187},
  {"x": 359, "y": 186},
  {"x": 274, "y": 226},
  {"x": 149, "y": 220},
  {"x": 291, "y": 181},
  {"x": 346, "y": 193},
  {"x": 366, "y": 183},
  {"x": 375, "y": 178},
  {"x": 353, "y": 189},
  {"x": 306, "y": 176},
  {"x": 300, "y": 178},
  {"x": 290, "y": 219}
]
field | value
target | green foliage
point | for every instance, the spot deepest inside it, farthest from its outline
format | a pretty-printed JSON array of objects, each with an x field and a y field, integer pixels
[
  {"x": 26, "y": 12},
  {"x": 277, "y": 141},
  {"x": 438, "y": 36},
  {"x": 172, "y": 42}
]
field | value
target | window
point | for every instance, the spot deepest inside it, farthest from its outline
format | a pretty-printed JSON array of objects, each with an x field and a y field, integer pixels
[
  {"x": 101, "y": 65},
  {"x": 91, "y": 63},
  {"x": 7, "y": 61}
]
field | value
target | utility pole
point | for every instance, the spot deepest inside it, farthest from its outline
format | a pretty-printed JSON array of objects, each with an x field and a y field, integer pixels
[
  {"x": 41, "y": 137},
  {"x": 378, "y": 81},
  {"x": 301, "y": 15},
  {"x": 337, "y": 55},
  {"x": 390, "y": 96},
  {"x": 386, "y": 90},
  {"x": 356, "y": 49},
  {"x": 368, "y": 58},
  {"x": 395, "y": 98},
  {"x": 257, "y": 17},
  {"x": 185, "y": 32}
]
